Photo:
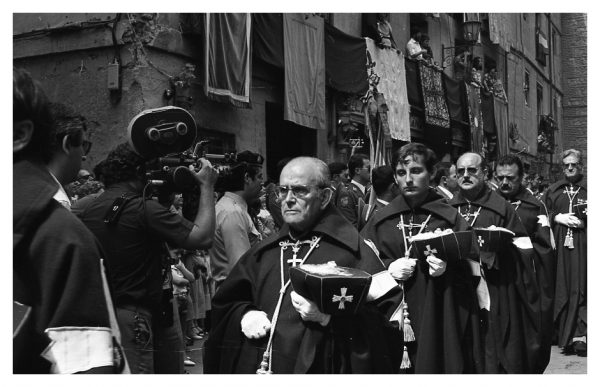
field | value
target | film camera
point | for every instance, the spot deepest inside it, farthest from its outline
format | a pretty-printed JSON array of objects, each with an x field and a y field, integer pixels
[{"x": 166, "y": 138}]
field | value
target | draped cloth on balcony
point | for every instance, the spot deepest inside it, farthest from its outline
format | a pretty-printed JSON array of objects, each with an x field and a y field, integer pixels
[
  {"x": 501, "y": 119},
  {"x": 227, "y": 58},
  {"x": 389, "y": 66},
  {"x": 434, "y": 97},
  {"x": 267, "y": 39},
  {"x": 345, "y": 61},
  {"x": 304, "y": 60},
  {"x": 456, "y": 97},
  {"x": 475, "y": 118}
]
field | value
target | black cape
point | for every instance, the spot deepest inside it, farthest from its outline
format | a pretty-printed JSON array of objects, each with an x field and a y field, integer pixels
[
  {"x": 511, "y": 339},
  {"x": 570, "y": 306},
  {"x": 354, "y": 344},
  {"x": 443, "y": 310}
]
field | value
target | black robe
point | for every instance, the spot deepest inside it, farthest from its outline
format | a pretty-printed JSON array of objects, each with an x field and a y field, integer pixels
[
  {"x": 443, "y": 310},
  {"x": 354, "y": 344},
  {"x": 511, "y": 328},
  {"x": 534, "y": 217},
  {"x": 570, "y": 306}
]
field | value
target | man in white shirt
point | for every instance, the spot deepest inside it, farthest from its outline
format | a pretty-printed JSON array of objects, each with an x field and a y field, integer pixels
[
  {"x": 235, "y": 232},
  {"x": 68, "y": 150}
]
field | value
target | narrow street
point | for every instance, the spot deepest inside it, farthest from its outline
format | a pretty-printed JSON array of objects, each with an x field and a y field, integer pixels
[{"x": 559, "y": 363}]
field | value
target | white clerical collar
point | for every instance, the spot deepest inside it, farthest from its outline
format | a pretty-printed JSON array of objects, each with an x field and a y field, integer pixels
[
  {"x": 444, "y": 190},
  {"x": 61, "y": 195},
  {"x": 383, "y": 202},
  {"x": 236, "y": 198},
  {"x": 360, "y": 186}
]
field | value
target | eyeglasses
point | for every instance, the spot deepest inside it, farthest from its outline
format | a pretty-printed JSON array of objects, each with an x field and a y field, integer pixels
[
  {"x": 298, "y": 191},
  {"x": 470, "y": 171},
  {"x": 86, "y": 145},
  {"x": 509, "y": 178},
  {"x": 570, "y": 165}
]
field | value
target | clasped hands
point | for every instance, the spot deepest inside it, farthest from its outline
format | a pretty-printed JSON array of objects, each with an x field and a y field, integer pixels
[
  {"x": 403, "y": 268},
  {"x": 255, "y": 323},
  {"x": 569, "y": 220}
]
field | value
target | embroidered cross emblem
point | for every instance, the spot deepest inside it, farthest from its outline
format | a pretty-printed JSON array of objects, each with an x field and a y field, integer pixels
[
  {"x": 480, "y": 240},
  {"x": 430, "y": 251},
  {"x": 342, "y": 298},
  {"x": 570, "y": 191}
]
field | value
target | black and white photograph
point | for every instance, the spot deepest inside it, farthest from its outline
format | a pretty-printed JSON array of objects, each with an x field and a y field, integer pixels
[{"x": 272, "y": 192}]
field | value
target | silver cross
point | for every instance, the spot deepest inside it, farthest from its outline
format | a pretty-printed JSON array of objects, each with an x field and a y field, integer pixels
[
  {"x": 430, "y": 251},
  {"x": 342, "y": 298},
  {"x": 480, "y": 240}
]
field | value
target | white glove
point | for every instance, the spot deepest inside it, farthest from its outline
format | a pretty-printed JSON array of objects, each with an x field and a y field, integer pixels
[
  {"x": 437, "y": 267},
  {"x": 255, "y": 324},
  {"x": 402, "y": 268},
  {"x": 568, "y": 220},
  {"x": 308, "y": 310}
]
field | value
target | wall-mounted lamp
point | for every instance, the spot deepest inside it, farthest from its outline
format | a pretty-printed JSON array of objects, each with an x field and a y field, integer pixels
[{"x": 471, "y": 30}]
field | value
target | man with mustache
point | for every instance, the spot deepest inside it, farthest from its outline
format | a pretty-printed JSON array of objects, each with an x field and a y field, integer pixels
[
  {"x": 507, "y": 288},
  {"x": 257, "y": 300},
  {"x": 440, "y": 299},
  {"x": 567, "y": 203},
  {"x": 534, "y": 217}
]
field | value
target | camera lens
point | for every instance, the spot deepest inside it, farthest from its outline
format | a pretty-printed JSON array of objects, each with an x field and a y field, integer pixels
[
  {"x": 181, "y": 128},
  {"x": 153, "y": 134}
]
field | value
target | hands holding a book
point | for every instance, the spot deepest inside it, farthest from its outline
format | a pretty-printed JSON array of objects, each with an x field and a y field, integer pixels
[
  {"x": 402, "y": 268},
  {"x": 255, "y": 324},
  {"x": 308, "y": 310},
  {"x": 569, "y": 220}
]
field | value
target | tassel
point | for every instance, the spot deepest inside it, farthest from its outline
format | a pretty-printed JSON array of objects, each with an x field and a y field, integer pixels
[
  {"x": 264, "y": 365},
  {"x": 569, "y": 240},
  {"x": 405, "y": 360},
  {"x": 409, "y": 334}
]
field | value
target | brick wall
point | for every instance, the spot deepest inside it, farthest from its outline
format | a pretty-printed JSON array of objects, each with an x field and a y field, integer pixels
[{"x": 574, "y": 63}]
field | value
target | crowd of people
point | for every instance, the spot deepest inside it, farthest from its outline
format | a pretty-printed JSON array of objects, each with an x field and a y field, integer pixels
[{"x": 108, "y": 279}]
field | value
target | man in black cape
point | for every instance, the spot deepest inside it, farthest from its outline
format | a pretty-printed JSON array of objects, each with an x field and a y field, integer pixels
[
  {"x": 247, "y": 310},
  {"x": 567, "y": 203},
  {"x": 507, "y": 288},
  {"x": 534, "y": 217},
  {"x": 441, "y": 300}
]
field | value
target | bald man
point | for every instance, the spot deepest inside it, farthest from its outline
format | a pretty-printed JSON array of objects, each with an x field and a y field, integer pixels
[
  {"x": 506, "y": 285},
  {"x": 304, "y": 340}
]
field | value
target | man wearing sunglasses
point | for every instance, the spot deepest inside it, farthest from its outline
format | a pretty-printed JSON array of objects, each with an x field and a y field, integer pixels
[
  {"x": 255, "y": 299},
  {"x": 567, "y": 203},
  {"x": 534, "y": 217},
  {"x": 507, "y": 287},
  {"x": 69, "y": 149}
]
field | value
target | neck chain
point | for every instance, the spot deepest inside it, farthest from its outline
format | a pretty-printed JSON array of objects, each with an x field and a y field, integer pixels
[
  {"x": 403, "y": 226},
  {"x": 467, "y": 215},
  {"x": 516, "y": 204}
]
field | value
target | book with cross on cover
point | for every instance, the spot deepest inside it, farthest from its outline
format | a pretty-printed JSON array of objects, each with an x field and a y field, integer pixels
[
  {"x": 335, "y": 289},
  {"x": 446, "y": 245},
  {"x": 492, "y": 238}
]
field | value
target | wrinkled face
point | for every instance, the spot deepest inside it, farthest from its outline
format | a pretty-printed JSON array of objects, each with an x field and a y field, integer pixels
[
  {"x": 469, "y": 172},
  {"x": 571, "y": 166},
  {"x": 412, "y": 176},
  {"x": 509, "y": 181},
  {"x": 451, "y": 180},
  {"x": 302, "y": 199}
]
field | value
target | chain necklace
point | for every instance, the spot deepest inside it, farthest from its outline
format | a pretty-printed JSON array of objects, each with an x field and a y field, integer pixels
[{"x": 467, "y": 215}]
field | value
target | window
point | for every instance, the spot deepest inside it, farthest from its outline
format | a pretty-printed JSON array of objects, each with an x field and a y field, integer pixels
[
  {"x": 539, "y": 99},
  {"x": 526, "y": 88}
]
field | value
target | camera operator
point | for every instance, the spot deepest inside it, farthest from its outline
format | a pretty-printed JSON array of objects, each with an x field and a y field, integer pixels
[{"x": 133, "y": 230}]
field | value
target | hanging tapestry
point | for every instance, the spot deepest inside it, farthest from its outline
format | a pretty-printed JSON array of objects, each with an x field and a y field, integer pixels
[
  {"x": 434, "y": 98},
  {"x": 475, "y": 118}
]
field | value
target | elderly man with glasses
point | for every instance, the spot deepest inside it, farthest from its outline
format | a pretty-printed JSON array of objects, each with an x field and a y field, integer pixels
[
  {"x": 507, "y": 287},
  {"x": 567, "y": 203},
  {"x": 257, "y": 300}
]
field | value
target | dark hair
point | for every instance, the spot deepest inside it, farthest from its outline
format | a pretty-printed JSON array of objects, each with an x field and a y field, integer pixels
[
  {"x": 381, "y": 178},
  {"x": 442, "y": 169},
  {"x": 412, "y": 149},
  {"x": 67, "y": 122},
  {"x": 98, "y": 171},
  {"x": 356, "y": 161},
  {"x": 336, "y": 167},
  {"x": 121, "y": 164},
  {"x": 247, "y": 162},
  {"x": 30, "y": 103},
  {"x": 510, "y": 160}
]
